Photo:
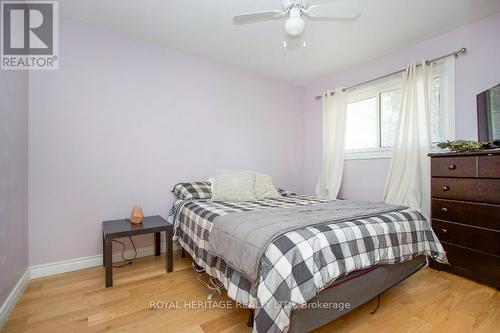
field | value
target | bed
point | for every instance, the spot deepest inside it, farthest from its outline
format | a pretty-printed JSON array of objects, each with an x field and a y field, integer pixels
[{"x": 349, "y": 259}]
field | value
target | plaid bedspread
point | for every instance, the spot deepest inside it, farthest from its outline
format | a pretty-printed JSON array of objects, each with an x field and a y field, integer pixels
[{"x": 301, "y": 263}]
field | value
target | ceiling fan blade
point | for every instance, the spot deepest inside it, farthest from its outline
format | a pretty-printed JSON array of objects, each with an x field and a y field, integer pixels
[
  {"x": 257, "y": 16},
  {"x": 347, "y": 11}
]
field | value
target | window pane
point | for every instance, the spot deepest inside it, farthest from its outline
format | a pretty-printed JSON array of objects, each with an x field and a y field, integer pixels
[
  {"x": 390, "y": 104},
  {"x": 361, "y": 124},
  {"x": 435, "y": 96}
]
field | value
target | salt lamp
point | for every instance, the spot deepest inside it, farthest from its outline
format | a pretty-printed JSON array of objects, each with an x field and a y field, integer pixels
[{"x": 137, "y": 215}]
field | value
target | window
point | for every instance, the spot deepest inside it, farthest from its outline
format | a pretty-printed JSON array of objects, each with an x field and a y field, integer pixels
[
  {"x": 373, "y": 114},
  {"x": 390, "y": 102}
]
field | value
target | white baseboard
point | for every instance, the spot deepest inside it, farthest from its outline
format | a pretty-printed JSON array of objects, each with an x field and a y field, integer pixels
[
  {"x": 39, "y": 271},
  {"x": 71, "y": 265},
  {"x": 13, "y": 297},
  {"x": 64, "y": 266}
]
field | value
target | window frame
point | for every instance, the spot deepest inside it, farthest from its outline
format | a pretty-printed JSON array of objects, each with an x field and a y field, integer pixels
[{"x": 447, "y": 108}]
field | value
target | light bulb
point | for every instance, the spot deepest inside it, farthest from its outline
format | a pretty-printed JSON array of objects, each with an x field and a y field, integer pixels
[{"x": 294, "y": 25}]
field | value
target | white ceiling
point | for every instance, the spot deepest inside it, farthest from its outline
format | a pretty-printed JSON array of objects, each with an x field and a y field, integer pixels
[{"x": 205, "y": 28}]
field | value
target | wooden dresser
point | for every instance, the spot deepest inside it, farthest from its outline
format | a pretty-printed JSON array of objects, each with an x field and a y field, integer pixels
[{"x": 465, "y": 209}]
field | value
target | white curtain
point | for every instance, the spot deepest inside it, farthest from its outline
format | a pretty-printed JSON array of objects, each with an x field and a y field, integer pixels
[
  {"x": 334, "y": 116},
  {"x": 447, "y": 85},
  {"x": 408, "y": 181}
]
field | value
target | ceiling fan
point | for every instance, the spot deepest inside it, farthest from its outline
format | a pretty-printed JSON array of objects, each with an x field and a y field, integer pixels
[{"x": 295, "y": 9}]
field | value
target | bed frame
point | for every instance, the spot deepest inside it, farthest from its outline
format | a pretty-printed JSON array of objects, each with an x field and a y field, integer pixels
[{"x": 356, "y": 289}]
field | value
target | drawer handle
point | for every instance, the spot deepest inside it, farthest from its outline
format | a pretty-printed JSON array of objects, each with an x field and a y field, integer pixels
[
  {"x": 444, "y": 210},
  {"x": 444, "y": 231},
  {"x": 446, "y": 188},
  {"x": 452, "y": 167}
]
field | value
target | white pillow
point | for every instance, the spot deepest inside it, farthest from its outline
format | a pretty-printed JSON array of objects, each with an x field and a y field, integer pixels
[
  {"x": 233, "y": 186},
  {"x": 264, "y": 187}
]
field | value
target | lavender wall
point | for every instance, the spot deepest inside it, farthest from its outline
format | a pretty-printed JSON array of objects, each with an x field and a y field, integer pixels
[
  {"x": 476, "y": 71},
  {"x": 13, "y": 179},
  {"x": 123, "y": 120}
]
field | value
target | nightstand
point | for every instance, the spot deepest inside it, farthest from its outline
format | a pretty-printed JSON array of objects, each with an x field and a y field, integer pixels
[{"x": 124, "y": 228}]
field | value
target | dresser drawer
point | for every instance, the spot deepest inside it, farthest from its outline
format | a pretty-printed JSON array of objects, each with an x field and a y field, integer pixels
[
  {"x": 484, "y": 268},
  {"x": 453, "y": 166},
  {"x": 476, "y": 214},
  {"x": 470, "y": 237},
  {"x": 479, "y": 190},
  {"x": 489, "y": 166}
]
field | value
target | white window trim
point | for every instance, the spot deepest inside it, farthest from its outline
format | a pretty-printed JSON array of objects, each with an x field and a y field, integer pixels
[
  {"x": 447, "y": 106},
  {"x": 368, "y": 154}
]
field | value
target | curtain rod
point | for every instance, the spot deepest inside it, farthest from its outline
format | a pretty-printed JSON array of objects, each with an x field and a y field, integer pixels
[{"x": 427, "y": 62}]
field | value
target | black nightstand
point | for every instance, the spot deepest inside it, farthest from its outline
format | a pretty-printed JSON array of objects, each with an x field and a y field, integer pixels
[{"x": 124, "y": 228}]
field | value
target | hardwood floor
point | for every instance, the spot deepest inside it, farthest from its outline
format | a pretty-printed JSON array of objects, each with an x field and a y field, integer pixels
[{"x": 429, "y": 301}]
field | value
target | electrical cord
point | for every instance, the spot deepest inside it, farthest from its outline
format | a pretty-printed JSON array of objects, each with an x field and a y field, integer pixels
[
  {"x": 127, "y": 261},
  {"x": 214, "y": 285}
]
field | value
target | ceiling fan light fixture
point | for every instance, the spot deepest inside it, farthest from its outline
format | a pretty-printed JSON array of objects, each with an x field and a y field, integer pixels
[
  {"x": 294, "y": 25},
  {"x": 295, "y": 9}
]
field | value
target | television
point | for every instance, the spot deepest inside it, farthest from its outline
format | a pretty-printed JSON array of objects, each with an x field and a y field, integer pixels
[{"x": 488, "y": 114}]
